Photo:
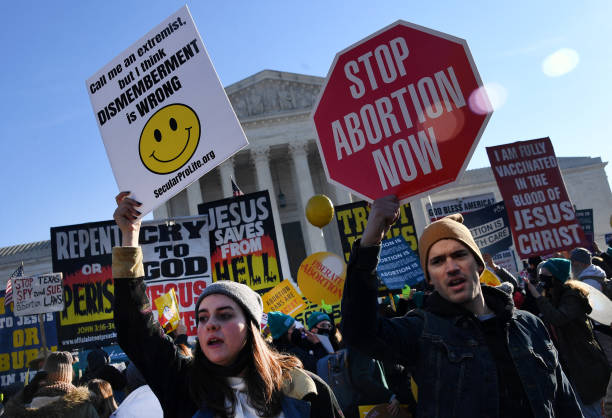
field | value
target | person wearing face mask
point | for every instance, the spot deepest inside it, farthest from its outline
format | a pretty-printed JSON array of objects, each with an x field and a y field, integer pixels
[
  {"x": 529, "y": 303},
  {"x": 564, "y": 309},
  {"x": 321, "y": 324},
  {"x": 288, "y": 338},
  {"x": 234, "y": 372}
]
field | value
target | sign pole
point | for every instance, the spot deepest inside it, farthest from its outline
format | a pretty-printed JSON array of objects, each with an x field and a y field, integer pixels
[
  {"x": 392, "y": 302},
  {"x": 43, "y": 337}
]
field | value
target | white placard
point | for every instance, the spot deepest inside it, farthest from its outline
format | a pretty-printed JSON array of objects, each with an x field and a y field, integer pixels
[
  {"x": 176, "y": 255},
  {"x": 38, "y": 294},
  {"x": 163, "y": 114}
]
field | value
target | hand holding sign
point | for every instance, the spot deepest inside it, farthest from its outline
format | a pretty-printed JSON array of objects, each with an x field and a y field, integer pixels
[
  {"x": 383, "y": 214},
  {"x": 126, "y": 215}
]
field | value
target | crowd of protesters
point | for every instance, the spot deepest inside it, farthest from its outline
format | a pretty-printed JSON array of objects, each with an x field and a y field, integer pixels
[{"x": 526, "y": 348}]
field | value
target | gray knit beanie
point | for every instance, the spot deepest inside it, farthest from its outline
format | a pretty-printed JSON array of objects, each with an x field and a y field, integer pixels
[
  {"x": 59, "y": 366},
  {"x": 244, "y": 296}
]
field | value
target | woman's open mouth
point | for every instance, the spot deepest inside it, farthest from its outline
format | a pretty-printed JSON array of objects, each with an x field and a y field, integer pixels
[{"x": 214, "y": 342}]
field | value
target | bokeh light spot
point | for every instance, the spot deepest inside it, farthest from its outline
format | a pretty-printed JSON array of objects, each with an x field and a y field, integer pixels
[
  {"x": 487, "y": 98},
  {"x": 560, "y": 62}
]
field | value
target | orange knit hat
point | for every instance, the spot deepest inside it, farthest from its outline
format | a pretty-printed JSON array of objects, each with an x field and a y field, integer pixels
[{"x": 449, "y": 227}]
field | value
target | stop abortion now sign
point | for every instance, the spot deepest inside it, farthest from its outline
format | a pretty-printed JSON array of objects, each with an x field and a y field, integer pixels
[{"x": 401, "y": 112}]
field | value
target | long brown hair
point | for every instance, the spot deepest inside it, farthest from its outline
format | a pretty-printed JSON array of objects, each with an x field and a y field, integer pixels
[
  {"x": 265, "y": 373},
  {"x": 103, "y": 398}
]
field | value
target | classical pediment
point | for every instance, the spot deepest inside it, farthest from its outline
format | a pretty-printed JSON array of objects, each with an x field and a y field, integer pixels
[{"x": 270, "y": 93}]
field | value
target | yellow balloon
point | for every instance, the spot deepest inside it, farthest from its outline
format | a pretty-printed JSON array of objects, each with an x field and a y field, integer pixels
[{"x": 319, "y": 210}]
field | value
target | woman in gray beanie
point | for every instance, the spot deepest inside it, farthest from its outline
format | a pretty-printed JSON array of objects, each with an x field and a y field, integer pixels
[{"x": 234, "y": 372}]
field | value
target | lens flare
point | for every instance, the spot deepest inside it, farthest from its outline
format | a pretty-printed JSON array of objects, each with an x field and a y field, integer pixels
[
  {"x": 488, "y": 98},
  {"x": 560, "y": 62}
]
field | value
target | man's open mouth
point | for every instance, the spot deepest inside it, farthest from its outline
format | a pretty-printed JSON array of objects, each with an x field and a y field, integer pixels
[{"x": 456, "y": 283}]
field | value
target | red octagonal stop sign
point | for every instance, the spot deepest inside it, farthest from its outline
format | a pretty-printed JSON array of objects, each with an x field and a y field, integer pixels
[{"x": 401, "y": 112}]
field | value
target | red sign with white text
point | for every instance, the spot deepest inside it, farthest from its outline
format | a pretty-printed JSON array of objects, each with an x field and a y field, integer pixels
[
  {"x": 541, "y": 215},
  {"x": 401, "y": 112}
]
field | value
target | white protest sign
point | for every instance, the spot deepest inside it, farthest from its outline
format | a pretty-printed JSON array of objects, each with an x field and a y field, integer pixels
[
  {"x": 163, "y": 114},
  {"x": 176, "y": 255},
  {"x": 38, "y": 294}
]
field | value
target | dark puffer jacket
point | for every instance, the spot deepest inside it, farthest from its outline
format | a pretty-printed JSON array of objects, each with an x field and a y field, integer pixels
[{"x": 583, "y": 359}]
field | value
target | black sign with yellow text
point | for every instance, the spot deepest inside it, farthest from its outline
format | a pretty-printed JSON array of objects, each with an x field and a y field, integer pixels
[
  {"x": 353, "y": 217},
  {"x": 83, "y": 253}
]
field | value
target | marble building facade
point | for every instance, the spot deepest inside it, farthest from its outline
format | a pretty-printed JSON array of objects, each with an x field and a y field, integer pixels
[{"x": 274, "y": 109}]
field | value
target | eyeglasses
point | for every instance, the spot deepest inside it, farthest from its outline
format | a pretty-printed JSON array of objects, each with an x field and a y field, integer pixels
[
  {"x": 545, "y": 277},
  {"x": 324, "y": 325}
]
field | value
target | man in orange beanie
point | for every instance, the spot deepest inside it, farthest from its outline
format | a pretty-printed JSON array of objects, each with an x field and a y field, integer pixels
[{"x": 471, "y": 353}]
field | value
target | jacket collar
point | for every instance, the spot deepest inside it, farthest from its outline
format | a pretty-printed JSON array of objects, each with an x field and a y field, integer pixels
[
  {"x": 294, "y": 390},
  {"x": 497, "y": 300}
]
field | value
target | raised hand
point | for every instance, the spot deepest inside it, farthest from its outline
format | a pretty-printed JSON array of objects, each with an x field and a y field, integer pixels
[
  {"x": 126, "y": 216},
  {"x": 383, "y": 214}
]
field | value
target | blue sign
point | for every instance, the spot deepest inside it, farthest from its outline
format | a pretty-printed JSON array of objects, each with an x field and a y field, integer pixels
[
  {"x": 115, "y": 354},
  {"x": 399, "y": 265},
  {"x": 20, "y": 342}
]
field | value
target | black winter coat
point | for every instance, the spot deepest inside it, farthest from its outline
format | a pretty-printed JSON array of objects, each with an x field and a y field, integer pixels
[{"x": 583, "y": 360}]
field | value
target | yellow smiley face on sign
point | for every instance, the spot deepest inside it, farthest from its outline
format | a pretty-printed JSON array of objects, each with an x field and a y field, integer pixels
[{"x": 169, "y": 138}]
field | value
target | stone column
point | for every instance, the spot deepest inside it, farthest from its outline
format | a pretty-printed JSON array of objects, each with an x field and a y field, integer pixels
[
  {"x": 313, "y": 235},
  {"x": 161, "y": 212},
  {"x": 264, "y": 181},
  {"x": 341, "y": 196},
  {"x": 194, "y": 197},
  {"x": 226, "y": 171}
]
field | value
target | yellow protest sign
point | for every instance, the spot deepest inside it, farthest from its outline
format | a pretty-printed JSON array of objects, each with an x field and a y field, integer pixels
[
  {"x": 284, "y": 298},
  {"x": 487, "y": 277},
  {"x": 167, "y": 309},
  {"x": 321, "y": 277}
]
